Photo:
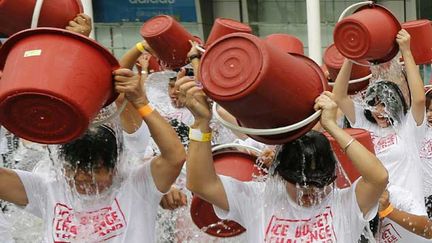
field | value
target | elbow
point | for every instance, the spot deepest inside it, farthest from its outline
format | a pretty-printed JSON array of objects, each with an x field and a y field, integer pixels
[{"x": 383, "y": 179}]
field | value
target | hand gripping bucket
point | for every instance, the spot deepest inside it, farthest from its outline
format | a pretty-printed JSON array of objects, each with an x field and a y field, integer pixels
[
  {"x": 347, "y": 173},
  {"x": 54, "y": 83},
  {"x": 368, "y": 34},
  {"x": 421, "y": 36},
  {"x": 360, "y": 74},
  {"x": 223, "y": 26},
  {"x": 262, "y": 87},
  {"x": 286, "y": 43},
  {"x": 169, "y": 39},
  {"x": 236, "y": 163},
  {"x": 17, "y": 15}
]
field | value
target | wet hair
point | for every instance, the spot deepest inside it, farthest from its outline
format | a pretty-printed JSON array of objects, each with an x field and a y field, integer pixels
[
  {"x": 383, "y": 91},
  {"x": 308, "y": 160},
  {"x": 97, "y": 145}
]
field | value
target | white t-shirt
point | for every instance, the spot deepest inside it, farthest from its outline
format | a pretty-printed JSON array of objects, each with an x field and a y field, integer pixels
[
  {"x": 426, "y": 157},
  {"x": 5, "y": 230},
  {"x": 129, "y": 218},
  {"x": 138, "y": 141},
  {"x": 268, "y": 213},
  {"x": 398, "y": 150},
  {"x": 391, "y": 231}
]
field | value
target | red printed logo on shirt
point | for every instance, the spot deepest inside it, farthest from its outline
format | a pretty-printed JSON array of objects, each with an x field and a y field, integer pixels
[
  {"x": 383, "y": 143},
  {"x": 317, "y": 229},
  {"x": 426, "y": 149},
  {"x": 96, "y": 226},
  {"x": 389, "y": 234}
]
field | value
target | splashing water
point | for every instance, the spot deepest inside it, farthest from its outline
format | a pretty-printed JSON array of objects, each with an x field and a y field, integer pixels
[{"x": 390, "y": 71}]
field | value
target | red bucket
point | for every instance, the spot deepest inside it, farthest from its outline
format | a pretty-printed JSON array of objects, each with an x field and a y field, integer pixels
[
  {"x": 238, "y": 165},
  {"x": 169, "y": 39},
  {"x": 286, "y": 43},
  {"x": 368, "y": 34},
  {"x": 50, "y": 89},
  {"x": 333, "y": 60},
  {"x": 421, "y": 36},
  {"x": 348, "y": 169},
  {"x": 16, "y": 15},
  {"x": 243, "y": 74},
  {"x": 222, "y": 27}
]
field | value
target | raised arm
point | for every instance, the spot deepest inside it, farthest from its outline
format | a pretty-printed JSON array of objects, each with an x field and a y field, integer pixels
[
  {"x": 166, "y": 167},
  {"x": 130, "y": 118},
  {"x": 415, "y": 82},
  {"x": 374, "y": 176},
  {"x": 340, "y": 91},
  {"x": 201, "y": 176},
  {"x": 11, "y": 187}
]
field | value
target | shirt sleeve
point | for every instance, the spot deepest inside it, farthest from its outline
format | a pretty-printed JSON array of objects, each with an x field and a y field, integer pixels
[
  {"x": 138, "y": 141},
  {"x": 239, "y": 195},
  {"x": 36, "y": 191},
  {"x": 349, "y": 197},
  {"x": 412, "y": 127},
  {"x": 143, "y": 182}
]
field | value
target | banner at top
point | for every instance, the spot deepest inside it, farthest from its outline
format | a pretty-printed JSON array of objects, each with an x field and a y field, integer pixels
[{"x": 112, "y": 11}]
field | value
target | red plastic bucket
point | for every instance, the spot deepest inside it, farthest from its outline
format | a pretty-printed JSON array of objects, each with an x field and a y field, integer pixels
[
  {"x": 243, "y": 74},
  {"x": 223, "y": 26},
  {"x": 286, "y": 43},
  {"x": 169, "y": 39},
  {"x": 236, "y": 164},
  {"x": 421, "y": 36},
  {"x": 368, "y": 34},
  {"x": 333, "y": 60},
  {"x": 54, "y": 83},
  {"x": 348, "y": 168},
  {"x": 16, "y": 15}
]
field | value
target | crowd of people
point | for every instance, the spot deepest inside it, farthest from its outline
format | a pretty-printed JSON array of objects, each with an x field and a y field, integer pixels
[{"x": 115, "y": 182}]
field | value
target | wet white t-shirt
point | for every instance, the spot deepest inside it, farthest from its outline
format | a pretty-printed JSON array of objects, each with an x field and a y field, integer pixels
[
  {"x": 398, "y": 150},
  {"x": 130, "y": 217},
  {"x": 426, "y": 157},
  {"x": 5, "y": 230},
  {"x": 391, "y": 231},
  {"x": 268, "y": 213}
]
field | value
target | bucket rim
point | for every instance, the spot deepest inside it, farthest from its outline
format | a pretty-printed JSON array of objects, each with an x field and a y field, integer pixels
[{"x": 11, "y": 41}]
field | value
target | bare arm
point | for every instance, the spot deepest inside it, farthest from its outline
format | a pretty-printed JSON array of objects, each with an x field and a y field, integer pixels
[
  {"x": 340, "y": 91},
  {"x": 419, "y": 225},
  {"x": 415, "y": 81},
  {"x": 11, "y": 187},
  {"x": 166, "y": 167},
  {"x": 374, "y": 176},
  {"x": 201, "y": 176}
]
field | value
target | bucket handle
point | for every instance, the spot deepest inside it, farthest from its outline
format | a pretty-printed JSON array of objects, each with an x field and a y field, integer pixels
[
  {"x": 272, "y": 131},
  {"x": 36, "y": 14},
  {"x": 354, "y": 81},
  {"x": 344, "y": 13},
  {"x": 236, "y": 145},
  {"x": 353, "y": 6}
]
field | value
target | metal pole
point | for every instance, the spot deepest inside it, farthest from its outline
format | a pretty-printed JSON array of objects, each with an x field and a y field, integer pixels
[{"x": 314, "y": 30}]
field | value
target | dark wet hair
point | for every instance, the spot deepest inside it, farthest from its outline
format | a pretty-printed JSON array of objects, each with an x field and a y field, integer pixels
[
  {"x": 372, "y": 102},
  {"x": 308, "y": 160},
  {"x": 97, "y": 145}
]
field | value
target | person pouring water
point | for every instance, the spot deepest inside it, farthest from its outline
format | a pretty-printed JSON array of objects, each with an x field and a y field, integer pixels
[
  {"x": 298, "y": 202},
  {"x": 92, "y": 171}
]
